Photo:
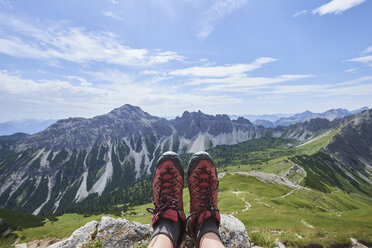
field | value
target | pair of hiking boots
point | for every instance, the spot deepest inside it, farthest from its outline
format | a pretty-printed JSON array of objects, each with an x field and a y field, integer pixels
[{"x": 168, "y": 184}]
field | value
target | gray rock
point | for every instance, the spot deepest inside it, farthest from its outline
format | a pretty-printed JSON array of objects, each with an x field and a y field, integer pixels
[
  {"x": 117, "y": 233},
  {"x": 233, "y": 232},
  {"x": 80, "y": 236},
  {"x": 121, "y": 233},
  {"x": 279, "y": 244},
  {"x": 356, "y": 244}
]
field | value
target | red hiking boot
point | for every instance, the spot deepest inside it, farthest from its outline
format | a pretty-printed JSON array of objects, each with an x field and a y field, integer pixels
[
  {"x": 167, "y": 186},
  {"x": 203, "y": 185}
]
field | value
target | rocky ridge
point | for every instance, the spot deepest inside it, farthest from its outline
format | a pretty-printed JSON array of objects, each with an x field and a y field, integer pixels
[
  {"x": 117, "y": 233},
  {"x": 78, "y": 157}
]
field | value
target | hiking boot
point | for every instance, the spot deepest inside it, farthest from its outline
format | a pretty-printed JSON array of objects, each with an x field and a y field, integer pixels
[
  {"x": 203, "y": 184},
  {"x": 168, "y": 215}
]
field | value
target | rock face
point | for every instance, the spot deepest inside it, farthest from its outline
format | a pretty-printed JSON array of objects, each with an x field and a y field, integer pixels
[
  {"x": 264, "y": 123},
  {"x": 79, "y": 157},
  {"x": 117, "y": 233},
  {"x": 352, "y": 147}
]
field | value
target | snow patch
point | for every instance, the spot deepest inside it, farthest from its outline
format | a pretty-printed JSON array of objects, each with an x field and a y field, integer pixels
[
  {"x": 36, "y": 157},
  {"x": 50, "y": 186},
  {"x": 14, "y": 181},
  {"x": 82, "y": 192},
  {"x": 198, "y": 144},
  {"x": 44, "y": 160},
  {"x": 100, "y": 185}
]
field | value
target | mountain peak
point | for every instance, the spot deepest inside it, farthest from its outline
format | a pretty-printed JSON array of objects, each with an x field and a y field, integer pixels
[{"x": 129, "y": 111}]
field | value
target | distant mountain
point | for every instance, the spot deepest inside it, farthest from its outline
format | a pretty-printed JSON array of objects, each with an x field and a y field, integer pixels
[
  {"x": 29, "y": 126},
  {"x": 13, "y": 137},
  {"x": 62, "y": 165},
  {"x": 267, "y": 117},
  {"x": 344, "y": 163},
  {"x": 308, "y": 115},
  {"x": 357, "y": 111},
  {"x": 264, "y": 123},
  {"x": 75, "y": 158}
]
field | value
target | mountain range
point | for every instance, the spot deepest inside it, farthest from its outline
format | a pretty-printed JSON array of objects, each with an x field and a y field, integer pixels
[
  {"x": 76, "y": 159},
  {"x": 29, "y": 126},
  {"x": 32, "y": 126}
]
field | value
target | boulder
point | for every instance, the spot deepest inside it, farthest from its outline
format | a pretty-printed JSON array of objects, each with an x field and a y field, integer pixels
[{"x": 115, "y": 233}]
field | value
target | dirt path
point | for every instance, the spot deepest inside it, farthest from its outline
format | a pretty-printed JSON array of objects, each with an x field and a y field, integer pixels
[
  {"x": 289, "y": 193},
  {"x": 306, "y": 224},
  {"x": 247, "y": 204}
]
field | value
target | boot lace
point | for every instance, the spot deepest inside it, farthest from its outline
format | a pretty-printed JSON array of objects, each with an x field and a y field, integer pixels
[
  {"x": 205, "y": 196},
  {"x": 167, "y": 192}
]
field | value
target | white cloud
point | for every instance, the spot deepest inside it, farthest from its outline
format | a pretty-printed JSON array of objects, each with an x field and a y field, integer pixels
[
  {"x": 222, "y": 71},
  {"x": 112, "y": 15},
  {"x": 114, "y": 1},
  {"x": 364, "y": 60},
  {"x": 219, "y": 10},
  {"x": 75, "y": 45},
  {"x": 337, "y": 6},
  {"x": 351, "y": 70},
  {"x": 368, "y": 49},
  {"x": 14, "y": 84},
  {"x": 358, "y": 87},
  {"x": 242, "y": 83},
  {"x": 301, "y": 12},
  {"x": 89, "y": 98}
]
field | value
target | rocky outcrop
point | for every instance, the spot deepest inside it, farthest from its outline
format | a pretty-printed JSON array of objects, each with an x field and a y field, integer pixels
[
  {"x": 115, "y": 233},
  {"x": 352, "y": 146}
]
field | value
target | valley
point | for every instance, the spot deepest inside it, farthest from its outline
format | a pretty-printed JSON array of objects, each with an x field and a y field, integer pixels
[{"x": 289, "y": 184}]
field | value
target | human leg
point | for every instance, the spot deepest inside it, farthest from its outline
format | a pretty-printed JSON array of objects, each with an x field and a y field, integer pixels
[
  {"x": 204, "y": 219},
  {"x": 210, "y": 240},
  {"x": 168, "y": 216}
]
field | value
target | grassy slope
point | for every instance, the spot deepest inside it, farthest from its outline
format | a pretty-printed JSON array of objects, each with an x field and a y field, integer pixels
[
  {"x": 335, "y": 216},
  {"x": 63, "y": 227},
  {"x": 267, "y": 155},
  {"x": 315, "y": 216}
]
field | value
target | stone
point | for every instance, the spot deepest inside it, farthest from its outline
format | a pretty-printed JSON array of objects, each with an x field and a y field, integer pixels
[
  {"x": 80, "y": 236},
  {"x": 118, "y": 233},
  {"x": 232, "y": 231}
]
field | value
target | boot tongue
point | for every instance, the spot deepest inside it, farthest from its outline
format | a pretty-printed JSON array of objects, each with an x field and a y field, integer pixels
[{"x": 204, "y": 215}]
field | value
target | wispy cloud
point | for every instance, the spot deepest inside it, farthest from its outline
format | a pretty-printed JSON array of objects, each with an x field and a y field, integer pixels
[
  {"x": 111, "y": 15},
  {"x": 222, "y": 71},
  {"x": 244, "y": 84},
  {"x": 86, "y": 97},
  {"x": 358, "y": 87},
  {"x": 219, "y": 10},
  {"x": 363, "y": 59},
  {"x": 301, "y": 12},
  {"x": 368, "y": 49},
  {"x": 74, "y": 44},
  {"x": 351, "y": 70},
  {"x": 337, "y": 6}
]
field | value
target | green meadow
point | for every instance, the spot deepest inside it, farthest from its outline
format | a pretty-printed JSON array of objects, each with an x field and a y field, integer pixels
[{"x": 296, "y": 217}]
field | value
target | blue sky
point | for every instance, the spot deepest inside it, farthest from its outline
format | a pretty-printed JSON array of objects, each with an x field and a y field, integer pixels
[{"x": 66, "y": 58}]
